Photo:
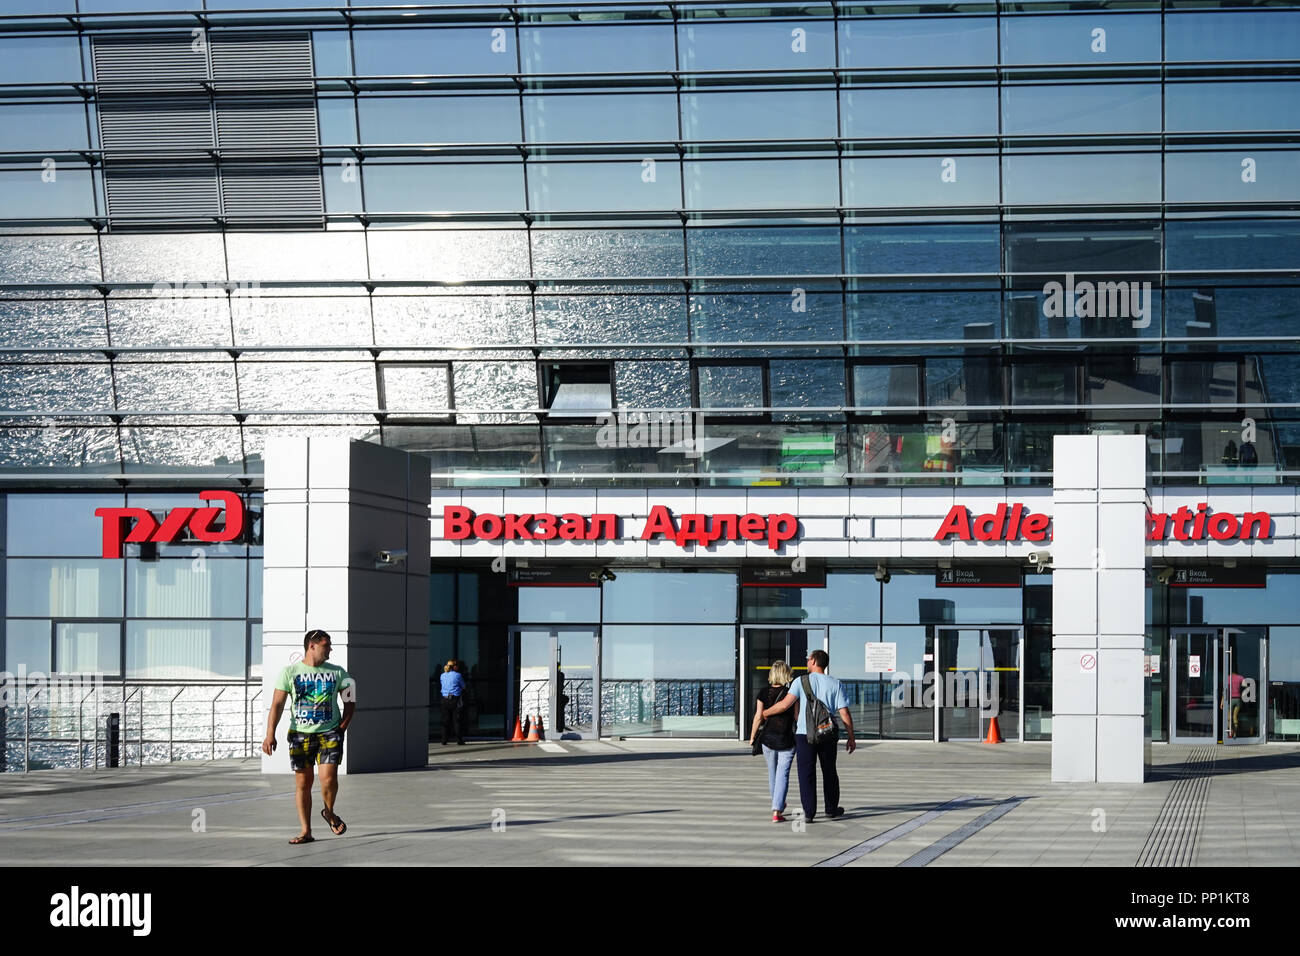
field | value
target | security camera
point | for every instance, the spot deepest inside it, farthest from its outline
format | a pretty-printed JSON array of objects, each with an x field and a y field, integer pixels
[
  {"x": 1165, "y": 575},
  {"x": 882, "y": 574},
  {"x": 1042, "y": 560},
  {"x": 602, "y": 574},
  {"x": 386, "y": 559}
]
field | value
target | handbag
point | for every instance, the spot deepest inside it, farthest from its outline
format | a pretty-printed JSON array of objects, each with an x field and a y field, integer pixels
[{"x": 756, "y": 747}]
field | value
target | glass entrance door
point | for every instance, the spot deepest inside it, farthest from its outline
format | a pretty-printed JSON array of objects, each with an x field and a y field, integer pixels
[
  {"x": 1194, "y": 703},
  {"x": 558, "y": 679},
  {"x": 977, "y": 679},
  {"x": 1245, "y": 685},
  {"x": 763, "y": 645}
]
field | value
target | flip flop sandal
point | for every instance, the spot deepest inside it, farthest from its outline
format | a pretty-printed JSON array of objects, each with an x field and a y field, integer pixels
[
  {"x": 337, "y": 826},
  {"x": 299, "y": 840}
]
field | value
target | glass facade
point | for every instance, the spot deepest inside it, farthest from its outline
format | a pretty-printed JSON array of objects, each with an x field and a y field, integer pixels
[{"x": 864, "y": 244}]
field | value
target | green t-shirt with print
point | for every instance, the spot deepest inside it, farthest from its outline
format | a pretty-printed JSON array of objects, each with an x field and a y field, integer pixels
[{"x": 312, "y": 692}]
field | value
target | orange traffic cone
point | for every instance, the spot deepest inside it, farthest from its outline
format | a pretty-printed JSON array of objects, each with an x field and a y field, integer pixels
[
  {"x": 532, "y": 733},
  {"x": 518, "y": 734},
  {"x": 994, "y": 734},
  {"x": 541, "y": 731}
]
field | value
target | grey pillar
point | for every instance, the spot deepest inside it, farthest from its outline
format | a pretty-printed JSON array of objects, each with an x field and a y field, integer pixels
[
  {"x": 1099, "y": 609},
  {"x": 331, "y": 506}
]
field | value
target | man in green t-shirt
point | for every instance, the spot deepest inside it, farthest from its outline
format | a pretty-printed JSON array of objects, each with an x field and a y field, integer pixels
[{"x": 315, "y": 727}]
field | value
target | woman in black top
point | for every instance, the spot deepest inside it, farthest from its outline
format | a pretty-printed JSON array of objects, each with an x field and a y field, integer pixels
[{"x": 777, "y": 735}]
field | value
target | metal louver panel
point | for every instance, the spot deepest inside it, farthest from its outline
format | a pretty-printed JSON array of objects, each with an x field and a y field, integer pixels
[
  {"x": 292, "y": 195},
  {"x": 137, "y": 64},
  {"x": 228, "y": 131},
  {"x": 159, "y": 127},
  {"x": 253, "y": 125},
  {"x": 262, "y": 61},
  {"x": 147, "y": 197}
]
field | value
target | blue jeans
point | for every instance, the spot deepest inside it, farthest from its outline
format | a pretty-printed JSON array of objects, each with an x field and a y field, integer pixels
[{"x": 778, "y": 774}]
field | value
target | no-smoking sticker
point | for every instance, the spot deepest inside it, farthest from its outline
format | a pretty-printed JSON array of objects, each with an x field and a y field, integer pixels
[
  {"x": 1087, "y": 663},
  {"x": 1194, "y": 665}
]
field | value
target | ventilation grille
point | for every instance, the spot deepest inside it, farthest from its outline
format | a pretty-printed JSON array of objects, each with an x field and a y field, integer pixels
[{"x": 199, "y": 131}]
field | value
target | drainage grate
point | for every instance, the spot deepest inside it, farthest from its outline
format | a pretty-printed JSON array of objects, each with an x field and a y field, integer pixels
[{"x": 1172, "y": 841}]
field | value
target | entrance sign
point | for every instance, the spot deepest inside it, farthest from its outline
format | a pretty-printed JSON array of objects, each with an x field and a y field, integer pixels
[
  {"x": 144, "y": 527},
  {"x": 1246, "y": 576},
  {"x": 552, "y": 577},
  {"x": 981, "y": 576},
  {"x": 882, "y": 658},
  {"x": 757, "y": 576}
]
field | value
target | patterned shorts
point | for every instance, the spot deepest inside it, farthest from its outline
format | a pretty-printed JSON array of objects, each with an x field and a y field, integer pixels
[{"x": 308, "y": 749}]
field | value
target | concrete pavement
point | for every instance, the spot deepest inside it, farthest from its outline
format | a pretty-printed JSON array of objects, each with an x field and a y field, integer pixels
[{"x": 652, "y": 802}]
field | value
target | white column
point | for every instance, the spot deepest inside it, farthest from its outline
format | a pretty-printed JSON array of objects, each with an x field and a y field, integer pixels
[
  {"x": 331, "y": 505},
  {"x": 1098, "y": 608}
]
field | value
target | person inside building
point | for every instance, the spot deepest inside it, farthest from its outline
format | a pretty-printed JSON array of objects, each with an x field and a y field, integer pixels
[
  {"x": 776, "y": 734},
  {"x": 453, "y": 702}
]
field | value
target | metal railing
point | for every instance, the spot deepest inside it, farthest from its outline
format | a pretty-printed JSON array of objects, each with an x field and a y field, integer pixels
[
  {"x": 64, "y": 724},
  {"x": 625, "y": 701}
]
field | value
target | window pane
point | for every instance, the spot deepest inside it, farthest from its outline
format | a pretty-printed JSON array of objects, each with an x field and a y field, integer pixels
[
  {"x": 40, "y": 59},
  {"x": 921, "y": 181},
  {"x": 667, "y": 597},
  {"x": 607, "y": 48},
  {"x": 1257, "y": 35},
  {"x": 81, "y": 386},
  {"x": 766, "y": 318},
  {"x": 25, "y": 195},
  {"x": 306, "y": 385},
  {"x": 39, "y": 587},
  {"x": 452, "y": 319},
  {"x": 1092, "y": 108},
  {"x": 176, "y": 387},
  {"x": 927, "y": 111},
  {"x": 56, "y": 524},
  {"x": 730, "y": 386},
  {"x": 264, "y": 320},
  {"x": 599, "y": 117},
  {"x": 882, "y": 386},
  {"x": 416, "y": 387},
  {"x": 618, "y": 184},
  {"x": 441, "y": 52},
  {"x": 448, "y": 255},
  {"x": 1082, "y": 178},
  {"x": 780, "y": 45},
  {"x": 559, "y": 605},
  {"x": 1241, "y": 176},
  {"x": 296, "y": 257},
  {"x": 751, "y": 184},
  {"x": 185, "y": 650},
  {"x": 1044, "y": 384},
  {"x": 444, "y": 187},
  {"x": 921, "y": 249},
  {"x": 154, "y": 448},
  {"x": 1266, "y": 310},
  {"x": 653, "y": 384},
  {"x": 1233, "y": 244},
  {"x": 175, "y": 587},
  {"x": 1092, "y": 247},
  {"x": 1224, "y": 107},
  {"x": 171, "y": 259},
  {"x": 438, "y": 119},
  {"x": 938, "y": 41},
  {"x": 906, "y": 593},
  {"x": 804, "y": 114},
  {"x": 331, "y": 52},
  {"x": 809, "y": 250},
  {"x": 338, "y": 121},
  {"x": 169, "y": 320},
  {"x": 43, "y": 126},
  {"x": 898, "y": 316},
  {"x": 1123, "y": 38},
  {"x": 49, "y": 259},
  {"x": 576, "y": 253},
  {"x": 27, "y": 645},
  {"x": 88, "y": 648}
]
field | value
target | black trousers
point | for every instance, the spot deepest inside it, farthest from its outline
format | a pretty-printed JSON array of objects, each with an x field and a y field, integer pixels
[
  {"x": 808, "y": 756},
  {"x": 452, "y": 719}
]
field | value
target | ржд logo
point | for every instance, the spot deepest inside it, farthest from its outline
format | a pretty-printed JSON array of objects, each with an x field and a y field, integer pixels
[{"x": 147, "y": 527}]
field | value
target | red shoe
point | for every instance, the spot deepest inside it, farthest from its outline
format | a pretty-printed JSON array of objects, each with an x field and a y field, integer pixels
[{"x": 778, "y": 816}]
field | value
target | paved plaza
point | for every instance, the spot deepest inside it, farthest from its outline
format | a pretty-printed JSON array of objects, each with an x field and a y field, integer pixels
[{"x": 672, "y": 802}]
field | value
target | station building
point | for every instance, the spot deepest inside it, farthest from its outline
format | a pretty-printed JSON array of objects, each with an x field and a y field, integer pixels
[{"x": 698, "y": 335}]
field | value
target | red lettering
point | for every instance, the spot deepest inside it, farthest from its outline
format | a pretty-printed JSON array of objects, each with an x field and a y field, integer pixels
[
  {"x": 547, "y": 527},
  {"x": 603, "y": 527},
  {"x": 990, "y": 527},
  {"x": 957, "y": 522},
  {"x": 660, "y": 522},
  {"x": 1035, "y": 527},
  {"x": 516, "y": 526},
  {"x": 1256, "y": 524},
  {"x": 114, "y": 533},
  {"x": 780, "y": 529},
  {"x": 456, "y": 522},
  {"x": 488, "y": 527},
  {"x": 752, "y": 527},
  {"x": 1220, "y": 531},
  {"x": 201, "y": 523},
  {"x": 572, "y": 527}
]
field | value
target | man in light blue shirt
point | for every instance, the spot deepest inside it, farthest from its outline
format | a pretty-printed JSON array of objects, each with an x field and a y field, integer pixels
[{"x": 833, "y": 697}]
